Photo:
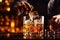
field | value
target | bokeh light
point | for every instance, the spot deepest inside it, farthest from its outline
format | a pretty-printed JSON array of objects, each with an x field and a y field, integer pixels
[
  {"x": 12, "y": 24},
  {"x": 0, "y": 0},
  {"x": 12, "y": 30},
  {"x": 8, "y": 8},
  {"x": 8, "y": 35},
  {"x": 2, "y": 29},
  {"x": 17, "y": 29}
]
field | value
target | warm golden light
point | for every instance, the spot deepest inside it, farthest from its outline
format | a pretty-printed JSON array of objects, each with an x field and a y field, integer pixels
[
  {"x": 6, "y": 17},
  {"x": 12, "y": 24},
  {"x": 25, "y": 34},
  {"x": 2, "y": 19},
  {"x": 50, "y": 27},
  {"x": 17, "y": 29},
  {"x": 24, "y": 30},
  {"x": 6, "y": 1},
  {"x": 8, "y": 30},
  {"x": 35, "y": 29},
  {"x": 8, "y": 9},
  {"x": 26, "y": 26},
  {"x": 8, "y": 35},
  {"x": 24, "y": 37},
  {"x": 12, "y": 30},
  {"x": 0, "y": 0},
  {"x": 2, "y": 29},
  {"x": 7, "y": 23}
]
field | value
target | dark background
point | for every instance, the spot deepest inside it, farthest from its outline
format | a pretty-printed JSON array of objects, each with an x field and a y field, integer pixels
[{"x": 39, "y": 5}]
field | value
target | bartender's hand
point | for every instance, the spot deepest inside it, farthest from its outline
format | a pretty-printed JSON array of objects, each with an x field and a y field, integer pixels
[{"x": 57, "y": 18}]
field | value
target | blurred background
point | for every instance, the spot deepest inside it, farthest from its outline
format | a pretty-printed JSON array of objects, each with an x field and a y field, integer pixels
[{"x": 9, "y": 19}]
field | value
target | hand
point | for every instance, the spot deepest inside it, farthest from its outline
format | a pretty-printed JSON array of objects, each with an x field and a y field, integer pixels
[{"x": 57, "y": 18}]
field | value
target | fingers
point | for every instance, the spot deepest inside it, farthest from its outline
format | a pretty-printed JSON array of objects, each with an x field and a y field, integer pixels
[
  {"x": 58, "y": 21},
  {"x": 57, "y": 18},
  {"x": 26, "y": 3}
]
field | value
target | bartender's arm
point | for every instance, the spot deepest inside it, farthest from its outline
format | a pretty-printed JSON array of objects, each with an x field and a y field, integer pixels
[{"x": 53, "y": 11}]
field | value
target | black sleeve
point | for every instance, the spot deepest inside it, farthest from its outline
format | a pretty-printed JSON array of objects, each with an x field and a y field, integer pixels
[{"x": 53, "y": 8}]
